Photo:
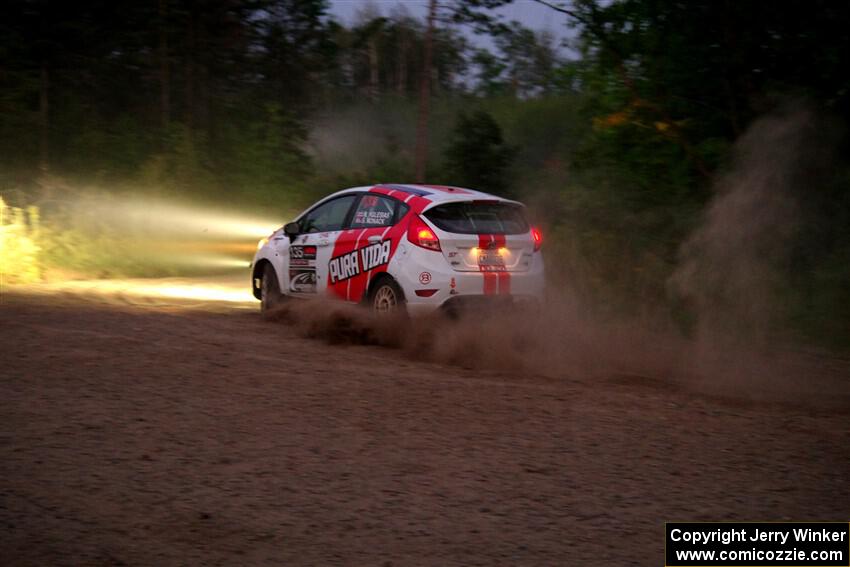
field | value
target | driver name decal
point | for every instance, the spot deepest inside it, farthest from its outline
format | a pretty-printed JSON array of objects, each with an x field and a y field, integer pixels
[{"x": 356, "y": 262}]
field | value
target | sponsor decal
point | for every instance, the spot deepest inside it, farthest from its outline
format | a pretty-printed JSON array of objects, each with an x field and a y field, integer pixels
[
  {"x": 375, "y": 255},
  {"x": 302, "y": 272},
  {"x": 425, "y": 278},
  {"x": 356, "y": 262},
  {"x": 302, "y": 280}
]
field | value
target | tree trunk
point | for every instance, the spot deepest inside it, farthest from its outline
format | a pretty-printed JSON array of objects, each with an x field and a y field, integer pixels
[
  {"x": 44, "y": 120},
  {"x": 205, "y": 97},
  {"x": 401, "y": 72},
  {"x": 190, "y": 69},
  {"x": 424, "y": 98},
  {"x": 202, "y": 87},
  {"x": 373, "y": 69},
  {"x": 164, "y": 80}
]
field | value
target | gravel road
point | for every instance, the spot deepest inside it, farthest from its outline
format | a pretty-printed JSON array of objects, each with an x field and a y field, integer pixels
[{"x": 134, "y": 434}]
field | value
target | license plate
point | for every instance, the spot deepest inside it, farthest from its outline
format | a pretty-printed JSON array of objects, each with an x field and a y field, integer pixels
[{"x": 491, "y": 261}]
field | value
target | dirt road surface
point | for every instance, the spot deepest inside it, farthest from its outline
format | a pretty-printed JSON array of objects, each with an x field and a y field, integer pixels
[{"x": 161, "y": 434}]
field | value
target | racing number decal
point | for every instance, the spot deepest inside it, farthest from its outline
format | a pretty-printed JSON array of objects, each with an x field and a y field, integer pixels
[{"x": 302, "y": 252}]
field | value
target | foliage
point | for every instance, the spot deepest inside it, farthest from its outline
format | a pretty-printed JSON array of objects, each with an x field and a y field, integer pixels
[
  {"x": 477, "y": 156},
  {"x": 617, "y": 142},
  {"x": 19, "y": 253}
]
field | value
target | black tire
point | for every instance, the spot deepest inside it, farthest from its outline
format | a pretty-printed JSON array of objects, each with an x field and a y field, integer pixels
[
  {"x": 270, "y": 296},
  {"x": 387, "y": 299}
]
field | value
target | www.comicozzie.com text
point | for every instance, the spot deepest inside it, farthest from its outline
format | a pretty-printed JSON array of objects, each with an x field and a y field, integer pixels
[{"x": 732, "y": 535}]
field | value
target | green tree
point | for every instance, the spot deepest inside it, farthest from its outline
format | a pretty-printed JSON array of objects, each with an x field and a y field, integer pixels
[
  {"x": 477, "y": 155},
  {"x": 529, "y": 59}
]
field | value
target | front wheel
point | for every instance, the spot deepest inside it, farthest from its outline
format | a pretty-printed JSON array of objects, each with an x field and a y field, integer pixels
[
  {"x": 270, "y": 295},
  {"x": 387, "y": 299}
]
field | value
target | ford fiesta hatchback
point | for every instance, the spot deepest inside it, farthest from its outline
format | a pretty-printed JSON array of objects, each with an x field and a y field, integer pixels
[{"x": 396, "y": 248}]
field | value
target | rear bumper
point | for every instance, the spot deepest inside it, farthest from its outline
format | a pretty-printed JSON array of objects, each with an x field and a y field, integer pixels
[{"x": 426, "y": 271}]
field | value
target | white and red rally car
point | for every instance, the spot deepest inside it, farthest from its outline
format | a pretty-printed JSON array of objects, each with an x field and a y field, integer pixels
[{"x": 395, "y": 247}]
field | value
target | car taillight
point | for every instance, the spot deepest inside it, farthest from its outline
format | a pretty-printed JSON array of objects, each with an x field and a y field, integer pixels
[
  {"x": 421, "y": 234},
  {"x": 538, "y": 238}
]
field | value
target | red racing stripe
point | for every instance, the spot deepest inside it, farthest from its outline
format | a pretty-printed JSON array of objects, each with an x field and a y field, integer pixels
[
  {"x": 504, "y": 283},
  {"x": 357, "y": 278},
  {"x": 491, "y": 279},
  {"x": 353, "y": 288},
  {"x": 491, "y": 283},
  {"x": 381, "y": 190},
  {"x": 504, "y": 277},
  {"x": 343, "y": 245}
]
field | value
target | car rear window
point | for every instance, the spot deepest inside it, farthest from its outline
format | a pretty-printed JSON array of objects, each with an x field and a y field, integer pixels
[{"x": 474, "y": 217}]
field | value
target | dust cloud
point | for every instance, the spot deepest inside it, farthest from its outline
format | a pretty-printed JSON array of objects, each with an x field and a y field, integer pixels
[
  {"x": 566, "y": 341},
  {"x": 730, "y": 268},
  {"x": 733, "y": 270},
  {"x": 96, "y": 233},
  {"x": 560, "y": 340},
  {"x": 729, "y": 273}
]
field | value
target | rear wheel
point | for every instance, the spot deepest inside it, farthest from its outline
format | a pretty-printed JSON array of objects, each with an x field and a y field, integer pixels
[
  {"x": 270, "y": 295},
  {"x": 387, "y": 299}
]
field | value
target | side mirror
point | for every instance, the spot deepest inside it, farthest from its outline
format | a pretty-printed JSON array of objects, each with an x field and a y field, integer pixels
[{"x": 291, "y": 229}]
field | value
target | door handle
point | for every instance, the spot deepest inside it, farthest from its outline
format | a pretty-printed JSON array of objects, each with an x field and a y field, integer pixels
[
  {"x": 374, "y": 239},
  {"x": 323, "y": 243}
]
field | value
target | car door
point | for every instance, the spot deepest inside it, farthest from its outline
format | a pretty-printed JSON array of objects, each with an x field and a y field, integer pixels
[
  {"x": 364, "y": 247},
  {"x": 310, "y": 251}
]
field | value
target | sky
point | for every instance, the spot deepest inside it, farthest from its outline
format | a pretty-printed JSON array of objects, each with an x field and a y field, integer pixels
[{"x": 527, "y": 12}]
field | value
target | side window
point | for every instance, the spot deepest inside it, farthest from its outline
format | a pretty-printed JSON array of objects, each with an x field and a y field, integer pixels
[
  {"x": 374, "y": 211},
  {"x": 327, "y": 217}
]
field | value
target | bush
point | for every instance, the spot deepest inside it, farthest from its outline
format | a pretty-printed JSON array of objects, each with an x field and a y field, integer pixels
[
  {"x": 477, "y": 156},
  {"x": 19, "y": 250}
]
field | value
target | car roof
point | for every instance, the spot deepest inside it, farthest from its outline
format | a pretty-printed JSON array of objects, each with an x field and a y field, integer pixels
[{"x": 436, "y": 194}]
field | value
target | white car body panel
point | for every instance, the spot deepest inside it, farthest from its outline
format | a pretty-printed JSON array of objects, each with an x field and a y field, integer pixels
[{"x": 343, "y": 264}]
